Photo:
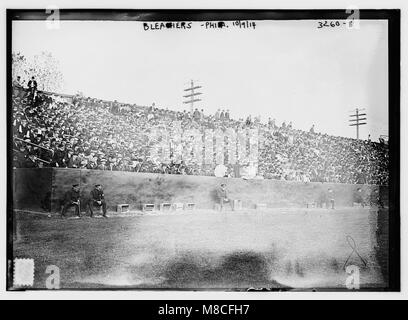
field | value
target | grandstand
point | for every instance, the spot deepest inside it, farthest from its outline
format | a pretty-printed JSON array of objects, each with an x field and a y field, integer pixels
[{"x": 87, "y": 133}]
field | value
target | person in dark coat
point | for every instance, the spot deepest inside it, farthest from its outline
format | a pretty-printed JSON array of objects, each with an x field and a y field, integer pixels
[
  {"x": 222, "y": 196},
  {"x": 72, "y": 198},
  {"x": 97, "y": 198},
  {"x": 30, "y": 162},
  {"x": 58, "y": 159},
  {"x": 19, "y": 158},
  {"x": 32, "y": 84},
  {"x": 32, "y": 87},
  {"x": 102, "y": 165}
]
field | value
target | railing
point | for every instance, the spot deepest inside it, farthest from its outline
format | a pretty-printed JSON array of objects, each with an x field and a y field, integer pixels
[{"x": 34, "y": 144}]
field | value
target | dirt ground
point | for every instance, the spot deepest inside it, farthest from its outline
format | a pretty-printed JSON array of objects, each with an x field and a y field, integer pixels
[{"x": 205, "y": 249}]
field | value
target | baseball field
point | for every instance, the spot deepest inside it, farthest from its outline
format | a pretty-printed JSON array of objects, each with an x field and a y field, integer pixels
[{"x": 207, "y": 249}]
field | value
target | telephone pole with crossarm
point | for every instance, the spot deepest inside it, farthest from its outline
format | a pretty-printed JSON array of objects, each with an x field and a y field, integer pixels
[
  {"x": 192, "y": 94},
  {"x": 357, "y": 119}
]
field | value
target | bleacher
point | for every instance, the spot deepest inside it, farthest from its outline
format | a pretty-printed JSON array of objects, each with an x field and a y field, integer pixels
[{"x": 77, "y": 132}]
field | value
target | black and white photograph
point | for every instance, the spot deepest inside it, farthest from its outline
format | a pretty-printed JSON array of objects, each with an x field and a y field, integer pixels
[{"x": 203, "y": 150}]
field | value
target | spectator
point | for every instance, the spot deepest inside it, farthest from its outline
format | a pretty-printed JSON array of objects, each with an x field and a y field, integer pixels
[
  {"x": 17, "y": 82},
  {"x": 271, "y": 123},
  {"x": 217, "y": 114},
  {"x": 222, "y": 196},
  {"x": 222, "y": 115},
  {"x": 32, "y": 87},
  {"x": 248, "y": 121},
  {"x": 72, "y": 198},
  {"x": 97, "y": 199},
  {"x": 32, "y": 84},
  {"x": 196, "y": 115}
]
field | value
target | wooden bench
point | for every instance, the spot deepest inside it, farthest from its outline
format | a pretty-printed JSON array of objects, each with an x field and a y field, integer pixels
[
  {"x": 178, "y": 206},
  {"x": 148, "y": 207},
  {"x": 189, "y": 206},
  {"x": 122, "y": 208},
  {"x": 165, "y": 206}
]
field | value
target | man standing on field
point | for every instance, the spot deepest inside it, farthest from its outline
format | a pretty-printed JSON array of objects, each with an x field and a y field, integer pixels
[{"x": 222, "y": 196}]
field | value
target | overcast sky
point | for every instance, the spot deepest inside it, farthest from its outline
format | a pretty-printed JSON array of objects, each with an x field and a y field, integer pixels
[{"x": 288, "y": 70}]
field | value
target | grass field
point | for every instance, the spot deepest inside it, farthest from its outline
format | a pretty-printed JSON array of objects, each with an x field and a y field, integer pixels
[{"x": 277, "y": 248}]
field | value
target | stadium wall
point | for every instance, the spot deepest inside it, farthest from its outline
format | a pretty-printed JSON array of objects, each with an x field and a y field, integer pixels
[
  {"x": 325, "y": 251},
  {"x": 32, "y": 186}
]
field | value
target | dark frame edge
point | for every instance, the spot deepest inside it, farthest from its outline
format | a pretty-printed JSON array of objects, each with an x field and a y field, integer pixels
[{"x": 393, "y": 16}]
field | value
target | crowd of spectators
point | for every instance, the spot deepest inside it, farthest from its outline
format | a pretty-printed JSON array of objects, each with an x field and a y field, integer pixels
[
  {"x": 52, "y": 131},
  {"x": 308, "y": 156}
]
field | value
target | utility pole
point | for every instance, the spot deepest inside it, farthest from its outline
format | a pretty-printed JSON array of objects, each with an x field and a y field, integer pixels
[
  {"x": 357, "y": 119},
  {"x": 192, "y": 95}
]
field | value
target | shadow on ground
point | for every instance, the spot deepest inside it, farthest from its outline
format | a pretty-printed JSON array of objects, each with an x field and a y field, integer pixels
[{"x": 235, "y": 270}]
